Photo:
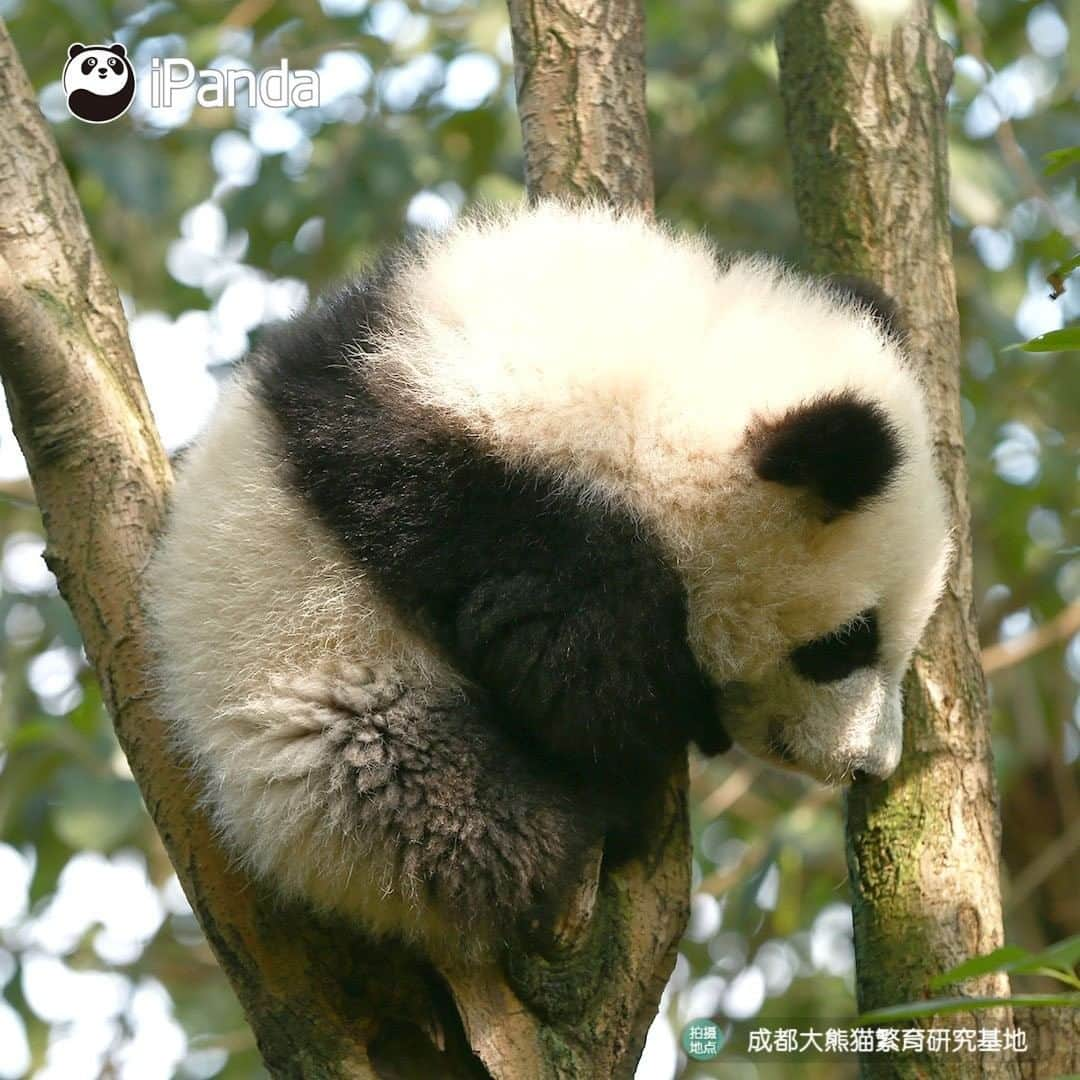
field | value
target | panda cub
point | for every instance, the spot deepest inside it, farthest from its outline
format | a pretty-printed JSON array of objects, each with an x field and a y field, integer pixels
[{"x": 475, "y": 547}]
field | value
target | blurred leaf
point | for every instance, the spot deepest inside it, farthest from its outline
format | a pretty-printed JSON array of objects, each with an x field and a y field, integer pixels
[
  {"x": 1053, "y": 962},
  {"x": 96, "y": 812},
  {"x": 1055, "y": 341},
  {"x": 980, "y": 965},
  {"x": 1057, "y": 276},
  {"x": 1067, "y": 267},
  {"x": 52, "y": 856},
  {"x": 27, "y": 735},
  {"x": 1065, "y": 954},
  {"x": 947, "y": 1005},
  {"x": 1057, "y": 160}
]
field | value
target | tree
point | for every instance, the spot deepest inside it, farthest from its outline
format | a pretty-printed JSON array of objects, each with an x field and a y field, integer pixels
[
  {"x": 865, "y": 112},
  {"x": 321, "y": 1000}
]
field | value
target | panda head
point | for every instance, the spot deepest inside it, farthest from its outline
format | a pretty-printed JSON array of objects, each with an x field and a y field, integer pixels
[
  {"x": 99, "y": 82},
  {"x": 816, "y": 561},
  {"x": 806, "y": 613},
  {"x": 765, "y": 428}
]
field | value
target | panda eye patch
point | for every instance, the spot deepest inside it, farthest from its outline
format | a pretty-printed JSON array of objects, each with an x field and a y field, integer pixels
[
  {"x": 114, "y": 64},
  {"x": 88, "y": 65},
  {"x": 836, "y": 655}
]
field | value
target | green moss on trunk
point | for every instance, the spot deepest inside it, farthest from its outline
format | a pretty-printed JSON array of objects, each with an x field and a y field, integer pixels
[{"x": 866, "y": 124}]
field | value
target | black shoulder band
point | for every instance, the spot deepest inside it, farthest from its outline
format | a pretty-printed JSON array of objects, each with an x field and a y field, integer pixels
[{"x": 564, "y": 611}]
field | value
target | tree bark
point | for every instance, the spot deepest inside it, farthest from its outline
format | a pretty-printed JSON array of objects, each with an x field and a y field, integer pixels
[
  {"x": 317, "y": 998},
  {"x": 322, "y": 1000},
  {"x": 866, "y": 124},
  {"x": 580, "y": 72}
]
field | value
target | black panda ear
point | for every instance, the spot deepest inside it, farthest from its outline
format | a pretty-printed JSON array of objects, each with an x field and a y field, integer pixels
[
  {"x": 118, "y": 49},
  {"x": 842, "y": 449},
  {"x": 872, "y": 297},
  {"x": 75, "y": 48}
]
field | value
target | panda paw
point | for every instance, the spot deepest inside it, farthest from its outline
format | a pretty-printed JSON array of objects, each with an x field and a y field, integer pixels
[{"x": 402, "y": 806}]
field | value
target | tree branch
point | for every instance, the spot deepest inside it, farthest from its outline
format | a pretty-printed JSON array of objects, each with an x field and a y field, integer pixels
[
  {"x": 1056, "y": 854},
  {"x": 1056, "y": 631},
  {"x": 322, "y": 1002},
  {"x": 866, "y": 123}
]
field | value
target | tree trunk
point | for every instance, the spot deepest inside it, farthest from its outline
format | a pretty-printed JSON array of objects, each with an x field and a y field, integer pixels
[
  {"x": 866, "y": 124},
  {"x": 322, "y": 1000},
  {"x": 580, "y": 73}
]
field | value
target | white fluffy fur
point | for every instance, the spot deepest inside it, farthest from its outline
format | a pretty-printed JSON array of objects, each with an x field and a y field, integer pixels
[
  {"x": 620, "y": 356},
  {"x": 258, "y": 615}
]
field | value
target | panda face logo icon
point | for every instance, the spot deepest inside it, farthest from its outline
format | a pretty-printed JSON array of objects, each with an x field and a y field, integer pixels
[{"x": 99, "y": 82}]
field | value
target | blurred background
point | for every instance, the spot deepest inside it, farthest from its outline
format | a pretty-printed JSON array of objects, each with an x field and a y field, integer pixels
[{"x": 216, "y": 221}]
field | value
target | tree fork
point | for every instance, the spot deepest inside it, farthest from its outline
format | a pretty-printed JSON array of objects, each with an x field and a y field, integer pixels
[{"x": 322, "y": 1000}]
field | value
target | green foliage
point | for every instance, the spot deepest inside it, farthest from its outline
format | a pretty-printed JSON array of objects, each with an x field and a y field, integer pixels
[
  {"x": 1057, "y": 160},
  {"x": 323, "y": 208},
  {"x": 1055, "y": 962},
  {"x": 1055, "y": 341},
  {"x": 944, "y": 1006}
]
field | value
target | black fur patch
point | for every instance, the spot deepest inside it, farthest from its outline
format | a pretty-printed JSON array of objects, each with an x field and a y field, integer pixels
[
  {"x": 564, "y": 612},
  {"x": 489, "y": 833},
  {"x": 874, "y": 298},
  {"x": 840, "y": 447},
  {"x": 835, "y": 656}
]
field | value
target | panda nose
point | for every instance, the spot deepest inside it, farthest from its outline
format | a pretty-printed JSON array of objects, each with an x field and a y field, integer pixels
[{"x": 102, "y": 73}]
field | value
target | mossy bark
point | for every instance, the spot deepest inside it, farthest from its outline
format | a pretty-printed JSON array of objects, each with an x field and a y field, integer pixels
[{"x": 865, "y": 111}]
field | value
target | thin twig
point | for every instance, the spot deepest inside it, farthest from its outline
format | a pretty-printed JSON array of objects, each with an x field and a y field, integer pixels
[
  {"x": 1007, "y": 654},
  {"x": 1054, "y": 855},
  {"x": 732, "y": 788},
  {"x": 720, "y": 881}
]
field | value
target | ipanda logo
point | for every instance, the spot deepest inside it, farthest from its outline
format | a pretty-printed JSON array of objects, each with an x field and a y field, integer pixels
[{"x": 99, "y": 82}]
